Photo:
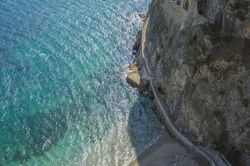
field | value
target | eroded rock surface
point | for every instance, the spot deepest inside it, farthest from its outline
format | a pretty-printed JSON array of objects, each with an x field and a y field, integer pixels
[{"x": 199, "y": 52}]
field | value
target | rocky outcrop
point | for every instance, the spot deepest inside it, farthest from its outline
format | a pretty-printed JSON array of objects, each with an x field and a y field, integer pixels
[
  {"x": 199, "y": 55},
  {"x": 133, "y": 76}
]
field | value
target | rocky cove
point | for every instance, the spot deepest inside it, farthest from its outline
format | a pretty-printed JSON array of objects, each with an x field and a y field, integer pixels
[{"x": 193, "y": 56}]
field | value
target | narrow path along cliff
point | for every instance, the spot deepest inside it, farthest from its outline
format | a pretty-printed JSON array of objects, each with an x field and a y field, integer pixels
[
  {"x": 168, "y": 151},
  {"x": 212, "y": 160},
  {"x": 193, "y": 56}
]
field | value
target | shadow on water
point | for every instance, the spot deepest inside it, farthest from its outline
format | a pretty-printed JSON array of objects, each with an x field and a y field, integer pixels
[
  {"x": 33, "y": 134},
  {"x": 26, "y": 136},
  {"x": 143, "y": 125},
  {"x": 7, "y": 61}
]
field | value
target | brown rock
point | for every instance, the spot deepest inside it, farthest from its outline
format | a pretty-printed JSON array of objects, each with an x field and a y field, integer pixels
[{"x": 133, "y": 77}]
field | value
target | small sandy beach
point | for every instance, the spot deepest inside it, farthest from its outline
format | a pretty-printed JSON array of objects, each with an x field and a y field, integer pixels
[{"x": 165, "y": 152}]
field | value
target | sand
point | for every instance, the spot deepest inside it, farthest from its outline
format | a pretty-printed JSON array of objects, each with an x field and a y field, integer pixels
[{"x": 165, "y": 152}]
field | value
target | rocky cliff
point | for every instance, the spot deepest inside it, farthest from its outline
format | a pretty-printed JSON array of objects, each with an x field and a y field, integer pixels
[{"x": 199, "y": 55}]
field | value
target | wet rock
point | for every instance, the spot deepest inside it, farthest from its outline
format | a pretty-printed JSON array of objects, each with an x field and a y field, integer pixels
[{"x": 142, "y": 15}]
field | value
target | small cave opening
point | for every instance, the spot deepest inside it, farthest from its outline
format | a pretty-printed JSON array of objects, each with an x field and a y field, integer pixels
[
  {"x": 245, "y": 102},
  {"x": 246, "y": 52},
  {"x": 186, "y": 5},
  {"x": 160, "y": 90},
  {"x": 178, "y": 2},
  {"x": 202, "y": 7}
]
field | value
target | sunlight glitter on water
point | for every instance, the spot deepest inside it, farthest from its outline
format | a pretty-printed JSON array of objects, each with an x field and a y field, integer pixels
[{"x": 64, "y": 99}]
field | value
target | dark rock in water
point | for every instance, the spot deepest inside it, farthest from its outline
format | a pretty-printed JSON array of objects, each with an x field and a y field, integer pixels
[
  {"x": 142, "y": 15},
  {"x": 134, "y": 52},
  {"x": 19, "y": 156}
]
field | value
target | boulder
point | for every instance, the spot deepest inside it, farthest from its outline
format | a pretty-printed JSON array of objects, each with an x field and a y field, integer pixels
[{"x": 133, "y": 77}]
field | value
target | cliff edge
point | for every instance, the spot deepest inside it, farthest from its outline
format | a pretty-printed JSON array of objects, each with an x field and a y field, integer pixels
[{"x": 198, "y": 52}]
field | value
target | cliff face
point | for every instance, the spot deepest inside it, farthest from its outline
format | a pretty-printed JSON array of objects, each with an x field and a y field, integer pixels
[{"x": 199, "y": 53}]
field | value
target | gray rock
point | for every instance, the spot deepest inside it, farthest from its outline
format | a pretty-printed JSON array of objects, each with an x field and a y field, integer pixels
[{"x": 199, "y": 55}]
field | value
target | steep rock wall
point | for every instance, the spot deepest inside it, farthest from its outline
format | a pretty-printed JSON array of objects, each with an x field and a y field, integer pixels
[{"x": 199, "y": 52}]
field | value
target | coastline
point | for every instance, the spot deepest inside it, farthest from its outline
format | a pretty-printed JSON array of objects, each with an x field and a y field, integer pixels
[
  {"x": 164, "y": 146},
  {"x": 165, "y": 151},
  {"x": 195, "y": 64}
]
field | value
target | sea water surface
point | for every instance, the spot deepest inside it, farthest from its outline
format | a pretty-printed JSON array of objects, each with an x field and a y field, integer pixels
[{"x": 63, "y": 96}]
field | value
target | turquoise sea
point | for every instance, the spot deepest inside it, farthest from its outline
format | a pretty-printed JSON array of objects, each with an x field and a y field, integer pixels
[{"x": 63, "y": 95}]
